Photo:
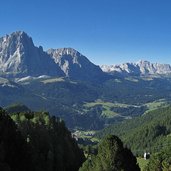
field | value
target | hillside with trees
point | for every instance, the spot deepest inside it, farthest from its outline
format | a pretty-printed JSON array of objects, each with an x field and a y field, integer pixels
[
  {"x": 112, "y": 156},
  {"x": 149, "y": 132},
  {"x": 46, "y": 144},
  {"x": 14, "y": 150},
  {"x": 37, "y": 142}
]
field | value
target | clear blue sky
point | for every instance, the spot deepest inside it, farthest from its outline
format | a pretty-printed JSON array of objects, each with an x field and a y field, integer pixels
[{"x": 106, "y": 31}]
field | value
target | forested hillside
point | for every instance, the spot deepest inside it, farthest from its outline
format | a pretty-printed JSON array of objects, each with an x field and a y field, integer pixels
[
  {"x": 149, "y": 132},
  {"x": 111, "y": 156},
  {"x": 35, "y": 141}
]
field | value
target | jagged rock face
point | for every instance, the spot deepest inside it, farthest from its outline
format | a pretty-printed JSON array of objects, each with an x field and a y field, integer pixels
[
  {"x": 11, "y": 52},
  {"x": 153, "y": 68},
  {"x": 137, "y": 69},
  {"x": 75, "y": 65},
  {"x": 19, "y": 57}
]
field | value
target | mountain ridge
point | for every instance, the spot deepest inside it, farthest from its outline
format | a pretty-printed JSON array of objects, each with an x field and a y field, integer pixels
[
  {"x": 141, "y": 68},
  {"x": 74, "y": 64},
  {"x": 19, "y": 57}
]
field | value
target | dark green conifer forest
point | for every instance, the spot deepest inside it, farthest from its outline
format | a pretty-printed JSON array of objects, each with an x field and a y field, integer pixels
[
  {"x": 37, "y": 142},
  {"x": 112, "y": 156}
]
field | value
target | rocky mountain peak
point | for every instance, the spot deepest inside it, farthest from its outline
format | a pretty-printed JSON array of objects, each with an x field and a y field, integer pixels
[
  {"x": 66, "y": 51},
  {"x": 12, "y": 48},
  {"x": 19, "y": 56},
  {"x": 20, "y": 35},
  {"x": 65, "y": 58},
  {"x": 16, "y": 39},
  {"x": 74, "y": 64},
  {"x": 66, "y": 54}
]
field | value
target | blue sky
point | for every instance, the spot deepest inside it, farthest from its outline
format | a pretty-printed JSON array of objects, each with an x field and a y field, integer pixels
[{"x": 106, "y": 31}]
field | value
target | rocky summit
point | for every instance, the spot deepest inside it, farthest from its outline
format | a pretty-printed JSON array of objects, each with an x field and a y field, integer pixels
[
  {"x": 75, "y": 65},
  {"x": 19, "y": 57}
]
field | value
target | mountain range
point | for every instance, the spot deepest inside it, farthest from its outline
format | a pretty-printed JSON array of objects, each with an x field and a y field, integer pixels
[
  {"x": 19, "y": 57},
  {"x": 141, "y": 68},
  {"x": 65, "y": 83}
]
